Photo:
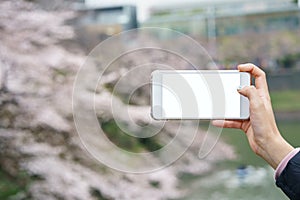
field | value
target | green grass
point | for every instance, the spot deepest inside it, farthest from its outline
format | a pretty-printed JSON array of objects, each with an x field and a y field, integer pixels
[
  {"x": 282, "y": 101},
  {"x": 290, "y": 130},
  {"x": 286, "y": 101},
  {"x": 239, "y": 141}
]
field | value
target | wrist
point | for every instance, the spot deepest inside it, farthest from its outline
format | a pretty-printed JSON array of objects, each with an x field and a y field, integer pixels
[
  {"x": 276, "y": 149},
  {"x": 284, "y": 162}
]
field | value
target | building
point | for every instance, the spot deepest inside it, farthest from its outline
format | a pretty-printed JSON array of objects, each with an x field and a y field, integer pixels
[
  {"x": 227, "y": 18},
  {"x": 95, "y": 24}
]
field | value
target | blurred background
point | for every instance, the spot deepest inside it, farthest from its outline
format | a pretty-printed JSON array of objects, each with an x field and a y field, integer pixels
[{"x": 43, "y": 44}]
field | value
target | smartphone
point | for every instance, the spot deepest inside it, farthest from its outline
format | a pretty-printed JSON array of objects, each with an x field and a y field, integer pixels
[{"x": 198, "y": 94}]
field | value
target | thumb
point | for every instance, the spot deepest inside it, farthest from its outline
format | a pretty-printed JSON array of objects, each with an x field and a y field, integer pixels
[{"x": 249, "y": 91}]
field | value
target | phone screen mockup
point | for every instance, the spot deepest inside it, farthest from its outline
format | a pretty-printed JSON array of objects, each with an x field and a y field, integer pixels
[{"x": 193, "y": 95}]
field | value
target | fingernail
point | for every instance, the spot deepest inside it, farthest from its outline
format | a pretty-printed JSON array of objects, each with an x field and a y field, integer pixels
[{"x": 239, "y": 88}]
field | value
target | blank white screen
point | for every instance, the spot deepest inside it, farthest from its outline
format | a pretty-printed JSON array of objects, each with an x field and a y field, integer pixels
[{"x": 226, "y": 97}]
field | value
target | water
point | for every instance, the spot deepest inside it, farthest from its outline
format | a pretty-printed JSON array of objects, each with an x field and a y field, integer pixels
[{"x": 227, "y": 183}]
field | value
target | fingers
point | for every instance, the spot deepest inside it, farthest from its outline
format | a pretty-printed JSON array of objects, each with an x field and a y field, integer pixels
[
  {"x": 227, "y": 123},
  {"x": 260, "y": 75},
  {"x": 252, "y": 69},
  {"x": 250, "y": 92},
  {"x": 256, "y": 103}
]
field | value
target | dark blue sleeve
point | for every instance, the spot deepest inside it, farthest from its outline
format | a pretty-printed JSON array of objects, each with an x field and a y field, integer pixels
[{"x": 289, "y": 179}]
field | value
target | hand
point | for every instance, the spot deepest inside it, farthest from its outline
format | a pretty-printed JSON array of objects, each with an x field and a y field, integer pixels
[{"x": 261, "y": 129}]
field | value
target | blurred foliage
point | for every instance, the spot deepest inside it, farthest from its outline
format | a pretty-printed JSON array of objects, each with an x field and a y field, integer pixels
[
  {"x": 128, "y": 142},
  {"x": 289, "y": 60},
  {"x": 273, "y": 46},
  {"x": 12, "y": 186},
  {"x": 286, "y": 100},
  {"x": 155, "y": 184},
  {"x": 97, "y": 194},
  {"x": 138, "y": 97}
]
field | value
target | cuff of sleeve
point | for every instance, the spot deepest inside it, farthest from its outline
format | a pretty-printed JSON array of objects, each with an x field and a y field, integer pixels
[{"x": 284, "y": 162}]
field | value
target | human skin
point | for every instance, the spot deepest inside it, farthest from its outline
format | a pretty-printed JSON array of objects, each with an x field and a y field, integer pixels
[{"x": 261, "y": 130}]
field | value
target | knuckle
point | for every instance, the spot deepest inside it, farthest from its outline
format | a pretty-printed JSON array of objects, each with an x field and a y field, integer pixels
[
  {"x": 251, "y": 88},
  {"x": 252, "y": 65}
]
